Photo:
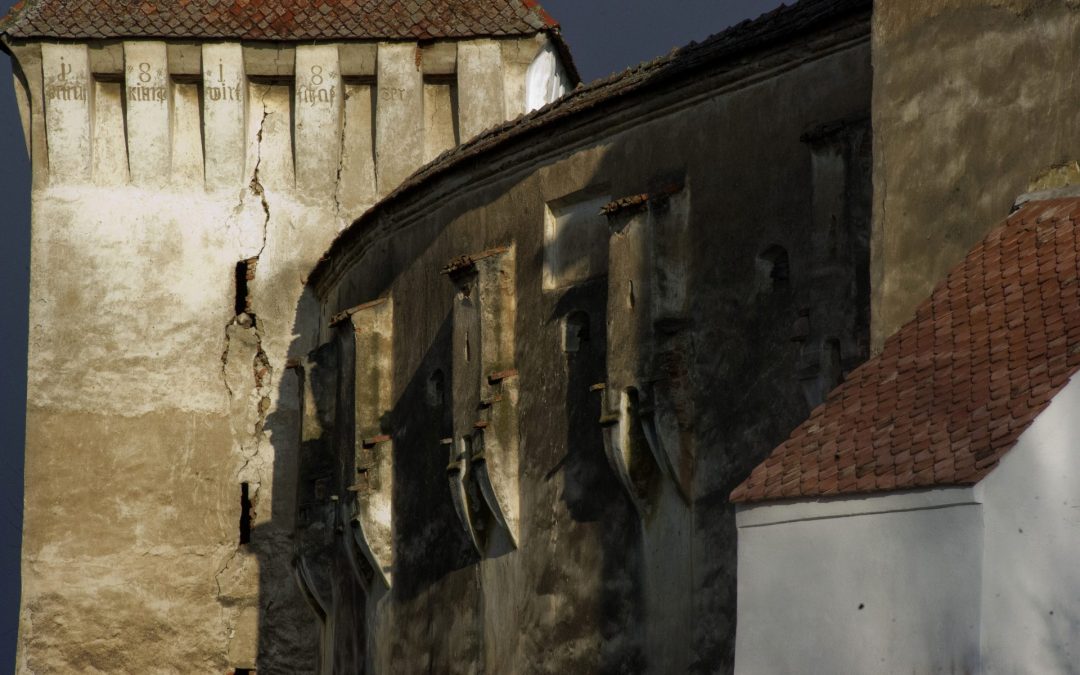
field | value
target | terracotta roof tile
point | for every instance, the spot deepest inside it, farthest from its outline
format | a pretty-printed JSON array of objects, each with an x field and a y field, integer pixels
[
  {"x": 275, "y": 19},
  {"x": 954, "y": 388}
]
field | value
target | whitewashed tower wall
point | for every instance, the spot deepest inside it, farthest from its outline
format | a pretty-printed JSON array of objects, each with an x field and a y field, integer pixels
[{"x": 181, "y": 192}]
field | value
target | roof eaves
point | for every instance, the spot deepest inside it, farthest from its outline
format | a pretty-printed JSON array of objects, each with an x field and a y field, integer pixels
[
  {"x": 54, "y": 19},
  {"x": 748, "y": 36}
]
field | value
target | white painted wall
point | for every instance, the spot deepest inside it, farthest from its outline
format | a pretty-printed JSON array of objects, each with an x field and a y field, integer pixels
[
  {"x": 865, "y": 585},
  {"x": 545, "y": 80},
  {"x": 955, "y": 580},
  {"x": 1031, "y": 561}
]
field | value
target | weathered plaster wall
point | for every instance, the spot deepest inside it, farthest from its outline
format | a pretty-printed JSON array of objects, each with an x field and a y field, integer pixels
[
  {"x": 881, "y": 584},
  {"x": 607, "y": 575},
  {"x": 973, "y": 101},
  {"x": 154, "y": 391},
  {"x": 1031, "y": 512}
]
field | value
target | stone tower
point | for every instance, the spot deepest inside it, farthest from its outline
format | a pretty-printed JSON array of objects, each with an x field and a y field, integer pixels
[{"x": 191, "y": 161}]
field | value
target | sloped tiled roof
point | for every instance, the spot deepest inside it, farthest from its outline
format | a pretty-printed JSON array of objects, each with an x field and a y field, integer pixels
[
  {"x": 275, "y": 19},
  {"x": 731, "y": 46},
  {"x": 954, "y": 388}
]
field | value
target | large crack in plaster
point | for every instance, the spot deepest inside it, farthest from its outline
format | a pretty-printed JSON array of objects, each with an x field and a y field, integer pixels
[
  {"x": 341, "y": 164},
  {"x": 248, "y": 377},
  {"x": 255, "y": 186}
]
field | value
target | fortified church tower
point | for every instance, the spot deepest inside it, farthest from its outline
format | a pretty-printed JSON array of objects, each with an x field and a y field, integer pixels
[{"x": 191, "y": 161}]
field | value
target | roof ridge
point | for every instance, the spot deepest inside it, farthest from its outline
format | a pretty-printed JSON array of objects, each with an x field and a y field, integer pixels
[
  {"x": 278, "y": 20},
  {"x": 16, "y": 12},
  {"x": 534, "y": 7}
]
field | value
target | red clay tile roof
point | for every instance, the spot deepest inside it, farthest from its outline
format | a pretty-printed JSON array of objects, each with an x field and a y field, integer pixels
[
  {"x": 953, "y": 389},
  {"x": 275, "y": 19}
]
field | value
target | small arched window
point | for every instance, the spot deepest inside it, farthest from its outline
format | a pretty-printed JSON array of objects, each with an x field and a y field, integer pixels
[
  {"x": 773, "y": 269},
  {"x": 436, "y": 389},
  {"x": 575, "y": 332}
]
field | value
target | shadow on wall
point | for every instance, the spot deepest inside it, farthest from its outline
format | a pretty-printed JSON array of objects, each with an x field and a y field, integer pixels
[
  {"x": 747, "y": 396},
  {"x": 430, "y": 544},
  {"x": 429, "y": 540},
  {"x": 589, "y": 489}
]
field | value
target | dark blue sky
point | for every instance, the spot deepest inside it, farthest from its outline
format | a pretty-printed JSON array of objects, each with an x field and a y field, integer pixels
[{"x": 605, "y": 35}]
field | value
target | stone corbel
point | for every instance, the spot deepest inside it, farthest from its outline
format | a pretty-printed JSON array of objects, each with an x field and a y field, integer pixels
[
  {"x": 483, "y": 467},
  {"x": 670, "y": 421},
  {"x": 373, "y": 443},
  {"x": 464, "y": 492},
  {"x": 626, "y": 444},
  {"x": 495, "y": 450}
]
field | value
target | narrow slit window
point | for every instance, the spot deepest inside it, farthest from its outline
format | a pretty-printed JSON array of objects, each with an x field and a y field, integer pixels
[
  {"x": 241, "y": 288},
  {"x": 245, "y": 516},
  {"x": 244, "y": 275}
]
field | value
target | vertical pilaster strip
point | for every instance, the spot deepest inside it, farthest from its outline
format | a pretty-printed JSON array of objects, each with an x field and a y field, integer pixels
[
  {"x": 374, "y": 443},
  {"x": 465, "y": 401},
  {"x": 399, "y": 117},
  {"x": 66, "y": 73},
  {"x": 318, "y": 108},
  {"x": 146, "y": 93},
  {"x": 497, "y": 470},
  {"x": 481, "y": 102},
  {"x": 630, "y": 286},
  {"x": 224, "y": 106},
  {"x": 629, "y": 314},
  {"x": 517, "y": 55}
]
